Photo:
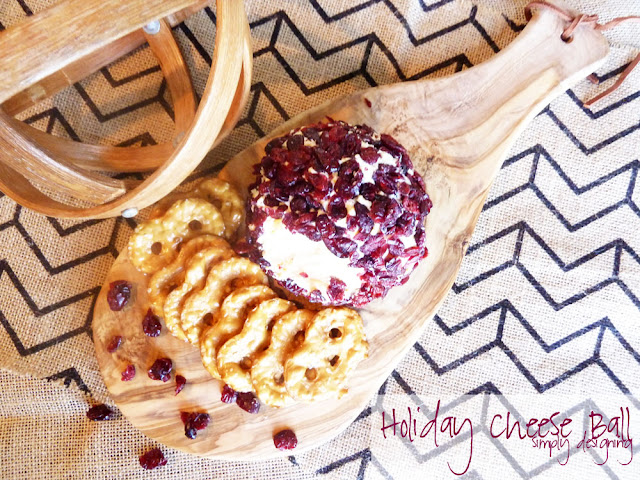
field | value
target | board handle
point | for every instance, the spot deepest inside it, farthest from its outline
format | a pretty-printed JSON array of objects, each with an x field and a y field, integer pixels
[{"x": 499, "y": 97}]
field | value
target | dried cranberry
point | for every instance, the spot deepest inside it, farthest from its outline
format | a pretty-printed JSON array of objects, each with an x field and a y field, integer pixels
[
  {"x": 280, "y": 193},
  {"x": 309, "y": 231},
  {"x": 337, "y": 209},
  {"x": 370, "y": 155},
  {"x": 404, "y": 225},
  {"x": 270, "y": 201},
  {"x": 393, "y": 265},
  {"x": 341, "y": 247},
  {"x": 151, "y": 324},
  {"x": 425, "y": 206},
  {"x": 411, "y": 205},
  {"x": 248, "y": 402},
  {"x": 285, "y": 176},
  {"x": 118, "y": 294},
  {"x": 319, "y": 181},
  {"x": 152, "y": 459},
  {"x": 387, "y": 184},
  {"x": 379, "y": 208},
  {"x": 99, "y": 412},
  {"x": 285, "y": 440},
  {"x": 161, "y": 370},
  {"x": 365, "y": 262},
  {"x": 201, "y": 421},
  {"x": 242, "y": 247},
  {"x": 373, "y": 244},
  {"x": 368, "y": 191},
  {"x": 295, "y": 142},
  {"x": 128, "y": 373},
  {"x": 275, "y": 143},
  {"x": 364, "y": 222},
  {"x": 325, "y": 226},
  {"x": 114, "y": 344},
  {"x": 194, "y": 421},
  {"x": 391, "y": 143},
  {"x": 419, "y": 236},
  {"x": 311, "y": 133},
  {"x": 396, "y": 248},
  {"x": 180, "y": 383},
  {"x": 298, "y": 204},
  {"x": 229, "y": 395},
  {"x": 336, "y": 289},
  {"x": 315, "y": 296},
  {"x": 329, "y": 157},
  {"x": 351, "y": 145},
  {"x": 394, "y": 211}
]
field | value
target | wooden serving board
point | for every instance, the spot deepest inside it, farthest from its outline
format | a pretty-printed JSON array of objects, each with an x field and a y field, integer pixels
[{"x": 457, "y": 131}]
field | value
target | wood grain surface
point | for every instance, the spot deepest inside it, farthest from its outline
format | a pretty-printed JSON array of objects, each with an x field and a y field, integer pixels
[{"x": 457, "y": 131}]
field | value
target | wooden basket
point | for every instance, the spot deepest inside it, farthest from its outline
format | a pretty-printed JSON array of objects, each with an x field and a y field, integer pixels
[{"x": 63, "y": 44}]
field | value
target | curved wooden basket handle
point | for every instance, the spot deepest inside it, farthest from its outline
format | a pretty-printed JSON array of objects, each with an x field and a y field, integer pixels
[
  {"x": 227, "y": 83},
  {"x": 126, "y": 159},
  {"x": 130, "y": 159}
]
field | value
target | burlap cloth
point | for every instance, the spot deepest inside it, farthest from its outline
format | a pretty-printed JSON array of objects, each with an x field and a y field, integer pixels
[{"x": 547, "y": 300}]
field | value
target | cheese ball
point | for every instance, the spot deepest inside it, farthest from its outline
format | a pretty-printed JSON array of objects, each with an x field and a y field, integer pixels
[{"x": 336, "y": 214}]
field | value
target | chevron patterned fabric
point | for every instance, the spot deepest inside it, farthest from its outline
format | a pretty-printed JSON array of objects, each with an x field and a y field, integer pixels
[{"x": 545, "y": 310}]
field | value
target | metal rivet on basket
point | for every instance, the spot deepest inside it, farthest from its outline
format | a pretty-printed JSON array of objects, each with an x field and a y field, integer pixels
[
  {"x": 178, "y": 138},
  {"x": 152, "y": 27},
  {"x": 130, "y": 212}
]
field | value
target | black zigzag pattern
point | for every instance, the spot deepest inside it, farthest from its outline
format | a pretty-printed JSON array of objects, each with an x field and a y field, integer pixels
[
  {"x": 544, "y": 220},
  {"x": 68, "y": 376}
]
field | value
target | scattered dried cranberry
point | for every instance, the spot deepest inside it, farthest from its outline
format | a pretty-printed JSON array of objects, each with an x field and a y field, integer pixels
[
  {"x": 118, "y": 294},
  {"x": 114, "y": 344},
  {"x": 201, "y": 421},
  {"x": 229, "y": 395},
  {"x": 242, "y": 247},
  {"x": 285, "y": 440},
  {"x": 128, "y": 373},
  {"x": 99, "y": 412},
  {"x": 152, "y": 459},
  {"x": 248, "y": 402},
  {"x": 161, "y": 369},
  {"x": 180, "y": 382},
  {"x": 190, "y": 432},
  {"x": 151, "y": 324},
  {"x": 194, "y": 421}
]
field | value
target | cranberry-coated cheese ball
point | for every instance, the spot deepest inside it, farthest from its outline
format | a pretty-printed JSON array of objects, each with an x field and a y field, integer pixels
[{"x": 336, "y": 214}]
